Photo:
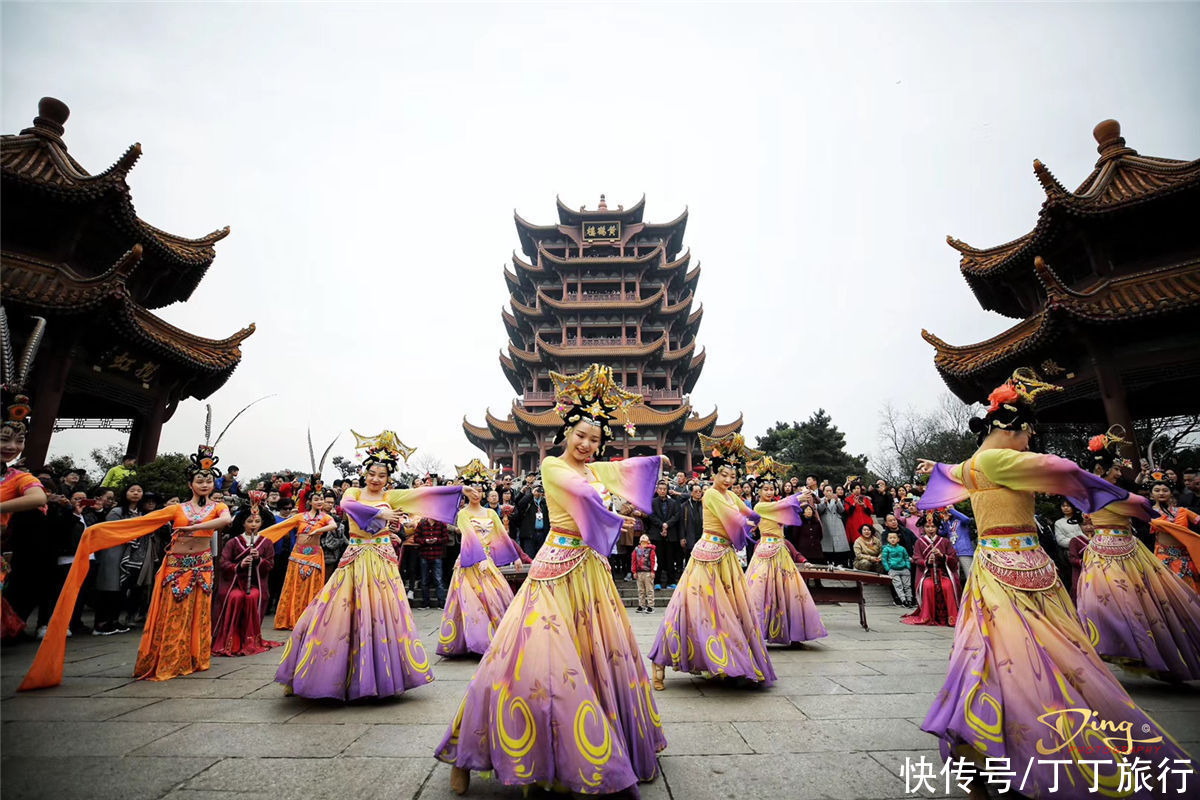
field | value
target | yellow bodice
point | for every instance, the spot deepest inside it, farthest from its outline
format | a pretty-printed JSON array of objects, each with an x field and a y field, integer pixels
[
  {"x": 995, "y": 506},
  {"x": 1107, "y": 519}
]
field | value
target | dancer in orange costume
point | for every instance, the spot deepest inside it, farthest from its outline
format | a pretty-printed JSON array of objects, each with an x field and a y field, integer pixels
[
  {"x": 178, "y": 636},
  {"x": 306, "y": 565},
  {"x": 1176, "y": 542},
  {"x": 19, "y": 491}
]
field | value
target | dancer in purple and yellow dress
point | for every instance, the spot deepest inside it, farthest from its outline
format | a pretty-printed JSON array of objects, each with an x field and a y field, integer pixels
[
  {"x": 561, "y": 698},
  {"x": 784, "y": 609},
  {"x": 710, "y": 627},
  {"x": 1138, "y": 612},
  {"x": 1024, "y": 682},
  {"x": 358, "y": 639},
  {"x": 478, "y": 595}
]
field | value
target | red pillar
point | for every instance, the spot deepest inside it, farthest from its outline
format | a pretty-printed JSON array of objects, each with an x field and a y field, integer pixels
[
  {"x": 49, "y": 384},
  {"x": 150, "y": 425},
  {"x": 1112, "y": 395}
]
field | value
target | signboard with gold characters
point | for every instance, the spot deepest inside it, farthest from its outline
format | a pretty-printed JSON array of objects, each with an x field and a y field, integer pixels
[{"x": 602, "y": 231}]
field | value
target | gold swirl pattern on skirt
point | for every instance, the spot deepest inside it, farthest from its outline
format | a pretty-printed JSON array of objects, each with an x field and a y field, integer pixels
[
  {"x": 1093, "y": 633},
  {"x": 444, "y": 637},
  {"x": 306, "y": 660},
  {"x": 597, "y": 754},
  {"x": 992, "y": 731},
  {"x": 722, "y": 660},
  {"x": 655, "y": 719},
  {"x": 416, "y": 654},
  {"x": 515, "y": 747}
]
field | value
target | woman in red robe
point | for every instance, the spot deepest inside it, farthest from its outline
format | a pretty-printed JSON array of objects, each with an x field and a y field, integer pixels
[
  {"x": 859, "y": 511},
  {"x": 937, "y": 578},
  {"x": 241, "y": 601}
]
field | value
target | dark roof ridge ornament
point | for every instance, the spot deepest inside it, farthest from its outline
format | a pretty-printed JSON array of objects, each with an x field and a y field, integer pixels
[
  {"x": 1109, "y": 142},
  {"x": 52, "y": 115}
]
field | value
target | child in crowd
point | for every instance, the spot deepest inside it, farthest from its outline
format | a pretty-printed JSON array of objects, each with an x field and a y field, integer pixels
[
  {"x": 899, "y": 567},
  {"x": 645, "y": 562}
]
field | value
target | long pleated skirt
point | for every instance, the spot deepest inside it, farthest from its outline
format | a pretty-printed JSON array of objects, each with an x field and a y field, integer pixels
[
  {"x": 710, "y": 625},
  {"x": 1025, "y": 684},
  {"x": 782, "y": 604},
  {"x": 301, "y": 585},
  {"x": 478, "y": 597},
  {"x": 177, "y": 639},
  {"x": 358, "y": 638},
  {"x": 1139, "y": 613},
  {"x": 561, "y": 697}
]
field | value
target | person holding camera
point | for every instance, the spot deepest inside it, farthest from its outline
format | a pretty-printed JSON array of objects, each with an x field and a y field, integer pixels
[{"x": 532, "y": 516}]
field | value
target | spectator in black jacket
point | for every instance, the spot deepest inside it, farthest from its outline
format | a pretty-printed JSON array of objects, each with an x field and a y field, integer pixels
[
  {"x": 532, "y": 519},
  {"x": 691, "y": 520},
  {"x": 881, "y": 501},
  {"x": 662, "y": 525}
]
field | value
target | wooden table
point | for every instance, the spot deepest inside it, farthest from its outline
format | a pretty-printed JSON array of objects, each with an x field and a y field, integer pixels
[
  {"x": 825, "y": 594},
  {"x": 515, "y": 573}
]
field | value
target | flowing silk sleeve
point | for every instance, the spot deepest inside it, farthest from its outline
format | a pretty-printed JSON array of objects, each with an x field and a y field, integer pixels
[
  {"x": 436, "y": 502},
  {"x": 1183, "y": 534},
  {"x": 471, "y": 552},
  {"x": 280, "y": 530},
  {"x": 736, "y": 525},
  {"x": 504, "y": 549},
  {"x": 633, "y": 479},
  {"x": 943, "y": 489},
  {"x": 362, "y": 514},
  {"x": 48, "y": 663},
  {"x": 787, "y": 511},
  {"x": 1038, "y": 472},
  {"x": 567, "y": 489}
]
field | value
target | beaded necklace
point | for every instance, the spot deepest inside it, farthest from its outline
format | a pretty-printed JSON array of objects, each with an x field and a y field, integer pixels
[{"x": 196, "y": 514}]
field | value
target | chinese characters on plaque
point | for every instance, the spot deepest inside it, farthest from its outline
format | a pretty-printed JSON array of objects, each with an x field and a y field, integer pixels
[{"x": 597, "y": 231}]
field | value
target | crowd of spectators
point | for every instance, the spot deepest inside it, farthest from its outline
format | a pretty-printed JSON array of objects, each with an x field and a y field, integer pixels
[{"x": 847, "y": 523}]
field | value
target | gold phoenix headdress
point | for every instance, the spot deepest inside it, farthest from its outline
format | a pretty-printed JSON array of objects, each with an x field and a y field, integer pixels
[
  {"x": 1010, "y": 405},
  {"x": 383, "y": 448},
  {"x": 768, "y": 469},
  {"x": 730, "y": 449},
  {"x": 1105, "y": 446},
  {"x": 476, "y": 472},
  {"x": 593, "y": 395}
]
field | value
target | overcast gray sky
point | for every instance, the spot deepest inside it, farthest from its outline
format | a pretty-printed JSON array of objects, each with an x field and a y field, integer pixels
[{"x": 369, "y": 157}]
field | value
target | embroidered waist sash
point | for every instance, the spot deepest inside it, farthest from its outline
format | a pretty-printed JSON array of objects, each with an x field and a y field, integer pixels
[
  {"x": 768, "y": 546},
  {"x": 381, "y": 545},
  {"x": 711, "y": 547},
  {"x": 1013, "y": 556},
  {"x": 1112, "y": 543},
  {"x": 183, "y": 573},
  {"x": 562, "y": 552},
  {"x": 310, "y": 559}
]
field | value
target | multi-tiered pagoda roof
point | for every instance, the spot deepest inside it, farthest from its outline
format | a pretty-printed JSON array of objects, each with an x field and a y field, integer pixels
[
  {"x": 76, "y": 252},
  {"x": 1106, "y": 285},
  {"x": 601, "y": 286}
]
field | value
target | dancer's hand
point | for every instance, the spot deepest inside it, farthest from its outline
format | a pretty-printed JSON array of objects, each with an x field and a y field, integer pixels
[
  {"x": 925, "y": 466},
  {"x": 389, "y": 515}
]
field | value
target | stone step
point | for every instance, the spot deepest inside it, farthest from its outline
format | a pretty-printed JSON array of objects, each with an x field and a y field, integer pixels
[{"x": 874, "y": 594}]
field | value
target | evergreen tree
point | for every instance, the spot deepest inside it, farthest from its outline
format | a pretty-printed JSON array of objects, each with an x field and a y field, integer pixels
[
  {"x": 167, "y": 476},
  {"x": 815, "y": 446}
]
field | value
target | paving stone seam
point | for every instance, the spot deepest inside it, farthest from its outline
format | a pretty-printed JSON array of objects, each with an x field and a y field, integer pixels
[
  {"x": 179, "y": 786},
  {"x": 662, "y": 774},
  {"x": 428, "y": 777}
]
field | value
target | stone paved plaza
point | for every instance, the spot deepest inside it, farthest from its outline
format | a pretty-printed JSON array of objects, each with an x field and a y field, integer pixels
[{"x": 839, "y": 723}]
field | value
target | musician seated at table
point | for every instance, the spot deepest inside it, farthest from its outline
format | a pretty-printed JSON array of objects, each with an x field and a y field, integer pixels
[{"x": 868, "y": 549}]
